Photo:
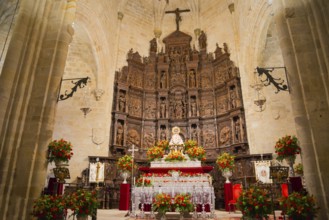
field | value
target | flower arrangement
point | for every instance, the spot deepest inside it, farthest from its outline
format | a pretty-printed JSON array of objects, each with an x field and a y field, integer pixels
[
  {"x": 254, "y": 203},
  {"x": 125, "y": 163},
  {"x": 83, "y": 202},
  {"x": 225, "y": 162},
  {"x": 164, "y": 144},
  {"x": 287, "y": 147},
  {"x": 189, "y": 144},
  {"x": 154, "y": 153},
  {"x": 49, "y": 207},
  {"x": 162, "y": 203},
  {"x": 298, "y": 205},
  {"x": 59, "y": 151},
  {"x": 196, "y": 152},
  {"x": 299, "y": 169},
  {"x": 175, "y": 156},
  {"x": 143, "y": 182},
  {"x": 183, "y": 203}
]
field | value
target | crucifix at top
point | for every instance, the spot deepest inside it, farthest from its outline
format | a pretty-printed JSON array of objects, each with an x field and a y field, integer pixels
[{"x": 178, "y": 17}]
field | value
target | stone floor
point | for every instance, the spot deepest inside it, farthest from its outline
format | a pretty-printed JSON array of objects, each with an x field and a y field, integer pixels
[{"x": 115, "y": 214}]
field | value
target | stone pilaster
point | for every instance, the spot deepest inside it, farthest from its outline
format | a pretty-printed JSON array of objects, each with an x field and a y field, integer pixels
[
  {"x": 300, "y": 50},
  {"x": 32, "y": 72}
]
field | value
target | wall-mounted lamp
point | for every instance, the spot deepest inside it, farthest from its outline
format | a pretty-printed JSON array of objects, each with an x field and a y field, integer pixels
[
  {"x": 260, "y": 100},
  {"x": 78, "y": 82},
  {"x": 267, "y": 79}
]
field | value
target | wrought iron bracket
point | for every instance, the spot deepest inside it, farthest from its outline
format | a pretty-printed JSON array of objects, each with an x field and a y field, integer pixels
[
  {"x": 78, "y": 82},
  {"x": 278, "y": 83}
]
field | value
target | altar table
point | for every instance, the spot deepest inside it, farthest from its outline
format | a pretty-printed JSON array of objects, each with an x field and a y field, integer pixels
[
  {"x": 203, "y": 169},
  {"x": 201, "y": 195}
]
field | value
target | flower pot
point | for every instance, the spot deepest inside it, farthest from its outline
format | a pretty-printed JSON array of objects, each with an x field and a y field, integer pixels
[
  {"x": 290, "y": 162},
  {"x": 60, "y": 163},
  {"x": 82, "y": 217},
  {"x": 125, "y": 175},
  {"x": 227, "y": 174}
]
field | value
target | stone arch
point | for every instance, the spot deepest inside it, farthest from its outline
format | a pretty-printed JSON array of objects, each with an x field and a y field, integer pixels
[{"x": 100, "y": 47}]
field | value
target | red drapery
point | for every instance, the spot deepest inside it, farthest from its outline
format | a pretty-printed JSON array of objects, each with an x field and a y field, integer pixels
[
  {"x": 228, "y": 194},
  {"x": 124, "y": 196}
]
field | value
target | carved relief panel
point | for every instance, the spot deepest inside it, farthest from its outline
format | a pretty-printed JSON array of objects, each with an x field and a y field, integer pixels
[
  {"x": 207, "y": 105},
  {"x": 149, "y": 137},
  {"x": 150, "y": 108},
  {"x": 135, "y": 105},
  {"x": 209, "y": 136}
]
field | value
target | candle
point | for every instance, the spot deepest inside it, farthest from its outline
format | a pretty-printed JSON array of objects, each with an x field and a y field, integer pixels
[
  {"x": 152, "y": 179},
  {"x": 134, "y": 181},
  {"x": 143, "y": 181}
]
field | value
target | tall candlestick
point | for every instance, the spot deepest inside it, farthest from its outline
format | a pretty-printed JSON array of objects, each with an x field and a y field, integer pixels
[{"x": 134, "y": 181}]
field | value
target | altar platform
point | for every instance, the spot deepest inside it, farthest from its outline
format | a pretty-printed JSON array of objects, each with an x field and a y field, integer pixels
[{"x": 115, "y": 214}]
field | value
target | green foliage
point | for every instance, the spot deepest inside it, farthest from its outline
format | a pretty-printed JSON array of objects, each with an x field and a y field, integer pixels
[{"x": 254, "y": 202}]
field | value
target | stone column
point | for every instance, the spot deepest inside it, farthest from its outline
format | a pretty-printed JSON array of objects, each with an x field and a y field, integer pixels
[
  {"x": 30, "y": 82},
  {"x": 308, "y": 85}
]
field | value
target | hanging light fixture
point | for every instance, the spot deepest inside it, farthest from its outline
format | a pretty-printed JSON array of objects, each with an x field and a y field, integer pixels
[
  {"x": 259, "y": 100},
  {"x": 259, "y": 97},
  {"x": 86, "y": 101}
]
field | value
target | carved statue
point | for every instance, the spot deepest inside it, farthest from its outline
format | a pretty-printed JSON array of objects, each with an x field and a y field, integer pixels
[
  {"x": 192, "y": 78},
  {"x": 153, "y": 45},
  {"x": 163, "y": 135},
  {"x": 233, "y": 98},
  {"x": 163, "y": 109},
  {"x": 202, "y": 40},
  {"x": 119, "y": 134},
  {"x": 237, "y": 130},
  {"x": 179, "y": 109},
  {"x": 122, "y": 102},
  {"x": 163, "y": 80},
  {"x": 194, "y": 134},
  {"x": 193, "y": 108}
]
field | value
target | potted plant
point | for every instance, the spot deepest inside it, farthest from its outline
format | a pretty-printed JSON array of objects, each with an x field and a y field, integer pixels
[
  {"x": 254, "y": 203},
  {"x": 83, "y": 203},
  {"x": 162, "y": 204},
  {"x": 49, "y": 207},
  {"x": 225, "y": 164},
  {"x": 154, "y": 153},
  {"x": 196, "y": 153},
  {"x": 287, "y": 148},
  {"x": 125, "y": 164},
  {"x": 299, "y": 206},
  {"x": 59, "y": 151},
  {"x": 175, "y": 156},
  {"x": 183, "y": 204}
]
